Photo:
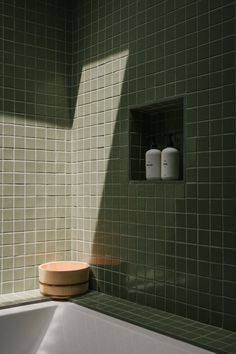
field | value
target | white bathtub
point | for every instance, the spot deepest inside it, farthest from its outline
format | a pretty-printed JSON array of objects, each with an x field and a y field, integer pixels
[{"x": 66, "y": 328}]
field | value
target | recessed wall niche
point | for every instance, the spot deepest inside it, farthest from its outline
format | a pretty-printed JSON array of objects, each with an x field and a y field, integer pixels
[{"x": 155, "y": 122}]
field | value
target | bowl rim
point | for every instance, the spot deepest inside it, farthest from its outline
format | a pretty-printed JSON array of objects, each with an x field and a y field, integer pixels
[{"x": 84, "y": 265}]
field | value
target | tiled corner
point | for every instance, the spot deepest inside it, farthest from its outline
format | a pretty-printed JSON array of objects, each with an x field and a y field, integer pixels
[{"x": 70, "y": 72}]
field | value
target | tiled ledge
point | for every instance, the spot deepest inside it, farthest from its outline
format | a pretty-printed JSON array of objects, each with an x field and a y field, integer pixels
[
  {"x": 24, "y": 297},
  {"x": 209, "y": 337}
]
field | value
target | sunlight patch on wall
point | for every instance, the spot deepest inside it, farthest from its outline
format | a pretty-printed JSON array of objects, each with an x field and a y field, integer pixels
[
  {"x": 95, "y": 118},
  {"x": 94, "y": 130}
]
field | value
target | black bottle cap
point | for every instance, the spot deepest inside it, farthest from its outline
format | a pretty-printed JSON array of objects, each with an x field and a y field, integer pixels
[
  {"x": 170, "y": 141},
  {"x": 153, "y": 145}
]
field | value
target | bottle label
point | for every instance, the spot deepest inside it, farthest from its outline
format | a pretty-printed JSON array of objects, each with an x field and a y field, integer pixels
[
  {"x": 170, "y": 165},
  {"x": 153, "y": 166}
]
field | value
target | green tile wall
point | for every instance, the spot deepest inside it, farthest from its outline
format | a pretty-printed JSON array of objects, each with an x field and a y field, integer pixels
[
  {"x": 35, "y": 65},
  {"x": 171, "y": 246},
  {"x": 69, "y": 73}
]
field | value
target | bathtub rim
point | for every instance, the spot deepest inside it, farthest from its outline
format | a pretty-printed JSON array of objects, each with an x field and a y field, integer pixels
[{"x": 146, "y": 330}]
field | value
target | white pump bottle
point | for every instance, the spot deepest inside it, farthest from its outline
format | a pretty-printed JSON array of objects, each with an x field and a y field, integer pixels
[
  {"x": 170, "y": 162},
  {"x": 153, "y": 163}
]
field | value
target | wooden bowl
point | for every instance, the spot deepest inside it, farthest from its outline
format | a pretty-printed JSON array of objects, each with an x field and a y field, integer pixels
[{"x": 63, "y": 279}]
